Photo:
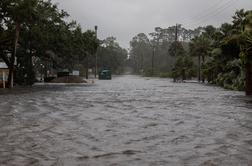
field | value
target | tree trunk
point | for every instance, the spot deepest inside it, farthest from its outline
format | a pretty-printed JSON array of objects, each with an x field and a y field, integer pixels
[
  {"x": 199, "y": 66},
  {"x": 142, "y": 64},
  {"x": 87, "y": 66},
  {"x": 248, "y": 70},
  {"x": 30, "y": 72},
  {"x": 152, "y": 61},
  {"x": 12, "y": 59},
  {"x": 203, "y": 63},
  {"x": 183, "y": 74}
]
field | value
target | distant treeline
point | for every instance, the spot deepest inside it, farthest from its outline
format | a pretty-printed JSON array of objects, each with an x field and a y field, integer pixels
[{"x": 220, "y": 55}]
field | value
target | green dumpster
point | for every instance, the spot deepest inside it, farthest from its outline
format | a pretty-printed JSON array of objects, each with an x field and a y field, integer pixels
[{"x": 105, "y": 75}]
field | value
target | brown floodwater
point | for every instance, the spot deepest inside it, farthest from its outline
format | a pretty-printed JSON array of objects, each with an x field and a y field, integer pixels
[{"x": 129, "y": 120}]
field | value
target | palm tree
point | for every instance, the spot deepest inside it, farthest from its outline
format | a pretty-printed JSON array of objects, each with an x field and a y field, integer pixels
[
  {"x": 200, "y": 46},
  {"x": 246, "y": 50}
]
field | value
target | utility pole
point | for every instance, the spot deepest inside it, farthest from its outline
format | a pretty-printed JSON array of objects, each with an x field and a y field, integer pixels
[
  {"x": 199, "y": 66},
  {"x": 176, "y": 33},
  {"x": 175, "y": 52},
  {"x": 96, "y": 67},
  {"x": 176, "y": 39},
  {"x": 152, "y": 60},
  {"x": 87, "y": 64}
]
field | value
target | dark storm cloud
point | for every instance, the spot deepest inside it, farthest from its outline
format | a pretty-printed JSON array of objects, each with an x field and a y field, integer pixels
[{"x": 125, "y": 18}]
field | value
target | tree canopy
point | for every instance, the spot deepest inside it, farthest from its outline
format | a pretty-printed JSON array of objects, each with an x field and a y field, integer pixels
[{"x": 35, "y": 34}]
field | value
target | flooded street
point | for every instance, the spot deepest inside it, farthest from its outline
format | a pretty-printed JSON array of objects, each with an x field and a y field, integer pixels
[{"x": 130, "y": 120}]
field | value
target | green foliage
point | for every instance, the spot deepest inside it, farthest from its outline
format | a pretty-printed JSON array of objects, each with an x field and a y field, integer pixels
[
  {"x": 176, "y": 49},
  {"x": 112, "y": 56},
  {"x": 43, "y": 38},
  {"x": 226, "y": 51},
  {"x": 184, "y": 68},
  {"x": 233, "y": 77},
  {"x": 200, "y": 46},
  {"x": 165, "y": 75},
  {"x": 159, "y": 49},
  {"x": 148, "y": 73}
]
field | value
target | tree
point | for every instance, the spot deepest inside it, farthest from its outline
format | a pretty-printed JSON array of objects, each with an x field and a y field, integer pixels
[
  {"x": 176, "y": 49},
  {"x": 112, "y": 56},
  {"x": 159, "y": 48},
  {"x": 45, "y": 38},
  {"x": 34, "y": 33},
  {"x": 140, "y": 53},
  {"x": 228, "y": 51},
  {"x": 246, "y": 49},
  {"x": 16, "y": 13},
  {"x": 200, "y": 47}
]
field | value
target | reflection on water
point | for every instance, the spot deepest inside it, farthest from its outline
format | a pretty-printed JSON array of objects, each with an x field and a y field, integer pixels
[{"x": 127, "y": 121}]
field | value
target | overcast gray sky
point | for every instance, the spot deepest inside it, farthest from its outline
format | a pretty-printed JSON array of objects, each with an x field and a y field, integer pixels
[{"x": 124, "y": 19}]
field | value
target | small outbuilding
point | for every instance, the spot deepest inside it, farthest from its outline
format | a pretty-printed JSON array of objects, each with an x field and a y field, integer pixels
[{"x": 4, "y": 72}]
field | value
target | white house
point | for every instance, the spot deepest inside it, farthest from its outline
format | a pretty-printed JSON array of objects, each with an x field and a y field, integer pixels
[{"x": 4, "y": 72}]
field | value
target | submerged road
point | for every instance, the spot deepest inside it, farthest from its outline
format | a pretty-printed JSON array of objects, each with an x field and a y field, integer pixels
[{"x": 129, "y": 120}]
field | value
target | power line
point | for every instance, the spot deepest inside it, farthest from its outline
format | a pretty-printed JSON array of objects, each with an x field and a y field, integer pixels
[
  {"x": 214, "y": 15},
  {"x": 212, "y": 7},
  {"x": 211, "y": 14}
]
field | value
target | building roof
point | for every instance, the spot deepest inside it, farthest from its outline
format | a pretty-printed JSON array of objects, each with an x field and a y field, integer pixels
[{"x": 3, "y": 65}]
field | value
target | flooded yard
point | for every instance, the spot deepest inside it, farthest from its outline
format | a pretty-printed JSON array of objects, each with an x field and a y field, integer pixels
[{"x": 129, "y": 120}]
